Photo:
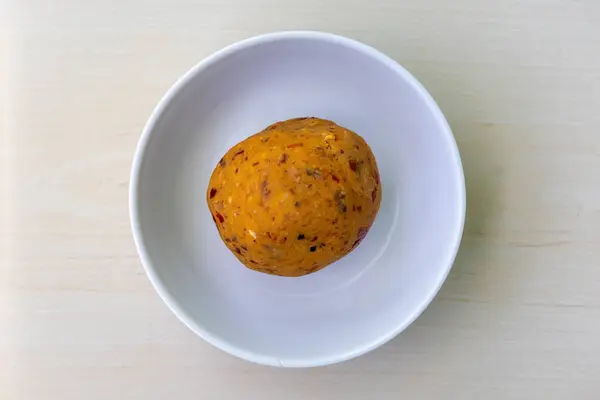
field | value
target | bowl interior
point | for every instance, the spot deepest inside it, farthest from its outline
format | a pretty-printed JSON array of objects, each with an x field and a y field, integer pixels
[{"x": 351, "y": 306}]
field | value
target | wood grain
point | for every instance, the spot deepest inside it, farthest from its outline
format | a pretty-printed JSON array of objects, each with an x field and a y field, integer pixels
[{"x": 519, "y": 316}]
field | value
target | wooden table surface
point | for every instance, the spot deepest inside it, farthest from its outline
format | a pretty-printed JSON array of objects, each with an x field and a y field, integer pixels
[{"x": 518, "y": 318}]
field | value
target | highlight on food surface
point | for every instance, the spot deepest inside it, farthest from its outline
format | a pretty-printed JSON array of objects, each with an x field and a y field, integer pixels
[{"x": 295, "y": 197}]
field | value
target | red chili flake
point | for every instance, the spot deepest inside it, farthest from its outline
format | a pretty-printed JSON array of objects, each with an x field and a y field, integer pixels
[
  {"x": 359, "y": 208},
  {"x": 213, "y": 191},
  {"x": 291, "y": 146},
  {"x": 244, "y": 248},
  {"x": 255, "y": 164},
  {"x": 238, "y": 153},
  {"x": 353, "y": 164},
  {"x": 376, "y": 176},
  {"x": 314, "y": 239},
  {"x": 374, "y": 194},
  {"x": 341, "y": 151},
  {"x": 237, "y": 250},
  {"x": 222, "y": 162},
  {"x": 283, "y": 158},
  {"x": 220, "y": 218},
  {"x": 292, "y": 191},
  {"x": 237, "y": 170},
  {"x": 227, "y": 239},
  {"x": 253, "y": 262},
  {"x": 335, "y": 178},
  {"x": 362, "y": 232}
]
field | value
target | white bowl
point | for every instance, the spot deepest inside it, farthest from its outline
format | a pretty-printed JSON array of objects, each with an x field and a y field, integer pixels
[{"x": 352, "y": 306}]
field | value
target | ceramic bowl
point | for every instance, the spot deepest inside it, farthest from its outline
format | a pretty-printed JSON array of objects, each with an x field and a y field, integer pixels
[{"x": 353, "y": 305}]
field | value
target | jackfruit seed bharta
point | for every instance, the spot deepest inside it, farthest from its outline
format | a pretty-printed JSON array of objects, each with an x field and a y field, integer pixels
[{"x": 295, "y": 197}]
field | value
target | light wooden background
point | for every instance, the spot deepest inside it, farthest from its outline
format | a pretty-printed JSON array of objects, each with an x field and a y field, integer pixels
[{"x": 519, "y": 317}]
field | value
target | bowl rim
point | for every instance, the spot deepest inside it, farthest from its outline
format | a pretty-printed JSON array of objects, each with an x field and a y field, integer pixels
[{"x": 140, "y": 152}]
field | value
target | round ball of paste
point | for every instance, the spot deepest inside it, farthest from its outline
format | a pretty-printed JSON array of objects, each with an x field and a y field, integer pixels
[{"x": 295, "y": 197}]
